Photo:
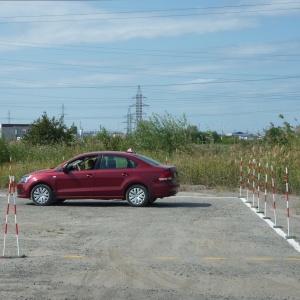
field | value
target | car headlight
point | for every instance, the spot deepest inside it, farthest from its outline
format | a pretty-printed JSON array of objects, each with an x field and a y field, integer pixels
[{"x": 24, "y": 179}]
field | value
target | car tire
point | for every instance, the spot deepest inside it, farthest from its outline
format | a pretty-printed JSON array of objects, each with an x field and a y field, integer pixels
[
  {"x": 41, "y": 195},
  {"x": 137, "y": 195}
]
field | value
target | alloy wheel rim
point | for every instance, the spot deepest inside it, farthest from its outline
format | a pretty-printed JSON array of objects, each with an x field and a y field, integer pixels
[
  {"x": 137, "y": 196},
  {"x": 41, "y": 195}
]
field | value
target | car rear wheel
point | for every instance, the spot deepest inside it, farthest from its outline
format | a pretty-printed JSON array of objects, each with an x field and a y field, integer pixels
[
  {"x": 42, "y": 195},
  {"x": 137, "y": 195}
]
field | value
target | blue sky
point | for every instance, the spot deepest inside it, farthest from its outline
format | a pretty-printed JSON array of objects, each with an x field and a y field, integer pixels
[{"x": 227, "y": 65}]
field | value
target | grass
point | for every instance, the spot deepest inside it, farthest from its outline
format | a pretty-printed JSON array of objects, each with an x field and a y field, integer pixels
[{"x": 210, "y": 166}]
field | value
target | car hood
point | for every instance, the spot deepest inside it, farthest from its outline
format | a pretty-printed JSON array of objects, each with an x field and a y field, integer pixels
[{"x": 39, "y": 171}]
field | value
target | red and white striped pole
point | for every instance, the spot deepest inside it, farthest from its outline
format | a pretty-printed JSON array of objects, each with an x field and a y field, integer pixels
[
  {"x": 11, "y": 192},
  {"x": 266, "y": 191},
  {"x": 287, "y": 200},
  {"x": 248, "y": 180},
  {"x": 7, "y": 212},
  {"x": 258, "y": 189},
  {"x": 253, "y": 182},
  {"x": 287, "y": 204},
  {"x": 241, "y": 176},
  {"x": 273, "y": 195},
  {"x": 16, "y": 223},
  {"x": 274, "y": 200}
]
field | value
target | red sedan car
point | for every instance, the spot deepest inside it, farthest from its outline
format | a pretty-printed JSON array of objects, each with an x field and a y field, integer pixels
[{"x": 102, "y": 175}]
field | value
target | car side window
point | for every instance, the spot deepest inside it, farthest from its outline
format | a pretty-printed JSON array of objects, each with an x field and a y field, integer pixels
[
  {"x": 83, "y": 163},
  {"x": 117, "y": 162},
  {"x": 131, "y": 164},
  {"x": 73, "y": 166}
]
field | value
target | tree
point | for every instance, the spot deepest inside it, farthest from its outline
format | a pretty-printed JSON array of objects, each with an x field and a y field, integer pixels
[
  {"x": 110, "y": 142},
  {"x": 281, "y": 135},
  {"x": 46, "y": 131},
  {"x": 4, "y": 151}
]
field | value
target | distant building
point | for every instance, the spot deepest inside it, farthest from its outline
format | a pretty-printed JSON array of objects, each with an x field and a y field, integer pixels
[
  {"x": 239, "y": 134},
  {"x": 13, "y": 131},
  {"x": 117, "y": 133},
  {"x": 91, "y": 133}
]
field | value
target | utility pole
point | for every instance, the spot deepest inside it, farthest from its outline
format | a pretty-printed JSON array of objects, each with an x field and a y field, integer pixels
[
  {"x": 139, "y": 105},
  {"x": 80, "y": 131},
  {"x": 63, "y": 113},
  {"x": 8, "y": 117},
  {"x": 130, "y": 121}
]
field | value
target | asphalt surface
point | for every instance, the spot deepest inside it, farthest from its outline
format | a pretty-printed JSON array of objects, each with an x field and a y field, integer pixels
[{"x": 197, "y": 245}]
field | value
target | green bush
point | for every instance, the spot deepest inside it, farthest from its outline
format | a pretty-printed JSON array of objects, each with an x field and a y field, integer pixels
[
  {"x": 4, "y": 151},
  {"x": 162, "y": 133}
]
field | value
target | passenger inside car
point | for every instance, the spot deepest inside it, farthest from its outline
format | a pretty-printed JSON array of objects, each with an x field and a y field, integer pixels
[{"x": 91, "y": 164}]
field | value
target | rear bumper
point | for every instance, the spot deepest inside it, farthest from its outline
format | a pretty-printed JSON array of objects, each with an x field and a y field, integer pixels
[{"x": 166, "y": 190}]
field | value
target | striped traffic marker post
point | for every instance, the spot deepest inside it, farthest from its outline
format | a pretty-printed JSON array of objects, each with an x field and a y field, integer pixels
[
  {"x": 16, "y": 223},
  {"x": 258, "y": 190},
  {"x": 253, "y": 183},
  {"x": 287, "y": 204},
  {"x": 11, "y": 192},
  {"x": 274, "y": 200},
  {"x": 266, "y": 192},
  {"x": 248, "y": 180},
  {"x": 241, "y": 176}
]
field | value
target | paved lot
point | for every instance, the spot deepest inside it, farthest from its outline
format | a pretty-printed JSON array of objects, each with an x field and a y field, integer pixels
[{"x": 204, "y": 245}]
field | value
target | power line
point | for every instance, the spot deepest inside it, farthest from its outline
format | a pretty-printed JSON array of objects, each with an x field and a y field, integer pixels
[
  {"x": 151, "y": 72},
  {"x": 210, "y": 96},
  {"x": 180, "y": 93},
  {"x": 148, "y": 17},
  {"x": 65, "y": 85},
  {"x": 182, "y": 54},
  {"x": 155, "y": 11}
]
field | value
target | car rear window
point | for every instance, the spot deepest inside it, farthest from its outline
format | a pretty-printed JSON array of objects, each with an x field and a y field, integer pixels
[
  {"x": 148, "y": 160},
  {"x": 117, "y": 162}
]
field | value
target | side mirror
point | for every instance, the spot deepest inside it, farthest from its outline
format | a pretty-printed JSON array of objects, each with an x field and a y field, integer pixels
[{"x": 65, "y": 169}]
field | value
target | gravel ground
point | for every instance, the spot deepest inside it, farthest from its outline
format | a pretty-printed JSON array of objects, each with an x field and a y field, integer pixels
[{"x": 201, "y": 244}]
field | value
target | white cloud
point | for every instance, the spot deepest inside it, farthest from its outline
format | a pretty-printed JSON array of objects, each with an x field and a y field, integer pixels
[
  {"x": 118, "y": 30},
  {"x": 115, "y": 27}
]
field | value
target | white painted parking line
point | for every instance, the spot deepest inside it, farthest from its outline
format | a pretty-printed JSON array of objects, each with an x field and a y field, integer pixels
[
  {"x": 204, "y": 197},
  {"x": 279, "y": 231}
]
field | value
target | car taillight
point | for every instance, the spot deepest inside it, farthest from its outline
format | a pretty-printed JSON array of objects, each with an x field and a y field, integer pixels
[{"x": 167, "y": 175}]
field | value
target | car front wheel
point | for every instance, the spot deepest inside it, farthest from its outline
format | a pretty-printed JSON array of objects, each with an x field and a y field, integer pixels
[
  {"x": 137, "y": 195},
  {"x": 42, "y": 195}
]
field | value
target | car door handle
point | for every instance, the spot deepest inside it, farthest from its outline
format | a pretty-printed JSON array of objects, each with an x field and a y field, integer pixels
[
  {"x": 125, "y": 174},
  {"x": 89, "y": 175}
]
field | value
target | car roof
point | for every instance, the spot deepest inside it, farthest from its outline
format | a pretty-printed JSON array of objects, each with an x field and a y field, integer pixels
[
  {"x": 104, "y": 152},
  {"x": 95, "y": 153}
]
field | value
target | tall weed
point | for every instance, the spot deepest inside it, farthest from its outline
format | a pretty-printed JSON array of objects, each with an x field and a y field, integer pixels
[{"x": 209, "y": 166}]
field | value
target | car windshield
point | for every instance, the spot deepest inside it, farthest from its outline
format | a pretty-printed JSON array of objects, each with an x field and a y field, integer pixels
[{"x": 148, "y": 160}]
